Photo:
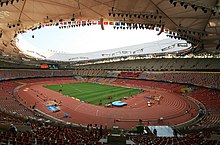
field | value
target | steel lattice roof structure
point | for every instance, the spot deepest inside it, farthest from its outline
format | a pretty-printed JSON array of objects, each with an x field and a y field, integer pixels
[{"x": 197, "y": 21}]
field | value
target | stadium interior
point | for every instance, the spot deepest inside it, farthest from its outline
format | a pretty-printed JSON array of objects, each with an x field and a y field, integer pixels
[{"x": 180, "y": 89}]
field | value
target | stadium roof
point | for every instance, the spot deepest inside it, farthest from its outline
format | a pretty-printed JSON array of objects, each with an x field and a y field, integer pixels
[
  {"x": 156, "y": 47},
  {"x": 198, "y": 21}
]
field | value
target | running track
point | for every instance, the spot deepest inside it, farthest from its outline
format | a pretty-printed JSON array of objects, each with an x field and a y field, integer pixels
[{"x": 172, "y": 107}]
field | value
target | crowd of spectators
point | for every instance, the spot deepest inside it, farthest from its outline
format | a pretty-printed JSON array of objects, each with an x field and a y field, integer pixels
[{"x": 11, "y": 109}]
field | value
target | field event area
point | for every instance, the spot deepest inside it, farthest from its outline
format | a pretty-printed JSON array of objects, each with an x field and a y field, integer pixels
[{"x": 95, "y": 93}]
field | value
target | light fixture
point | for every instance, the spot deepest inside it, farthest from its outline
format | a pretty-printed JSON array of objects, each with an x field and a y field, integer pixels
[
  {"x": 73, "y": 18},
  {"x": 1, "y": 34},
  {"x": 204, "y": 9},
  {"x": 139, "y": 15},
  {"x": 195, "y": 8},
  {"x": 182, "y": 3},
  {"x": 213, "y": 12}
]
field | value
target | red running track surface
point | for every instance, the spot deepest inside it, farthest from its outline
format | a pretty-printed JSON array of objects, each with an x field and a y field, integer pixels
[{"x": 172, "y": 107}]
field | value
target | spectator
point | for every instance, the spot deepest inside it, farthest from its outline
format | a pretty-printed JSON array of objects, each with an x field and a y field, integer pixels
[
  {"x": 175, "y": 132},
  {"x": 155, "y": 132},
  {"x": 13, "y": 129},
  {"x": 100, "y": 131}
]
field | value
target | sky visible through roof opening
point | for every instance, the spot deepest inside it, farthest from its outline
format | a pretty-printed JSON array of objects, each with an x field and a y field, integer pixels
[{"x": 84, "y": 39}]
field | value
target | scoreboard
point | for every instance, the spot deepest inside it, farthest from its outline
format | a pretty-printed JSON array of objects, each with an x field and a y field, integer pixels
[{"x": 49, "y": 66}]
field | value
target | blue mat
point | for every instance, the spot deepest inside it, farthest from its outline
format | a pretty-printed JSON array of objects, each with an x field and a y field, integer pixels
[
  {"x": 119, "y": 103},
  {"x": 52, "y": 108},
  {"x": 148, "y": 97}
]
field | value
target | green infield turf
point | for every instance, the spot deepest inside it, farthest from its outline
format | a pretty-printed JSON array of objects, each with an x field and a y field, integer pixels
[{"x": 94, "y": 93}]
